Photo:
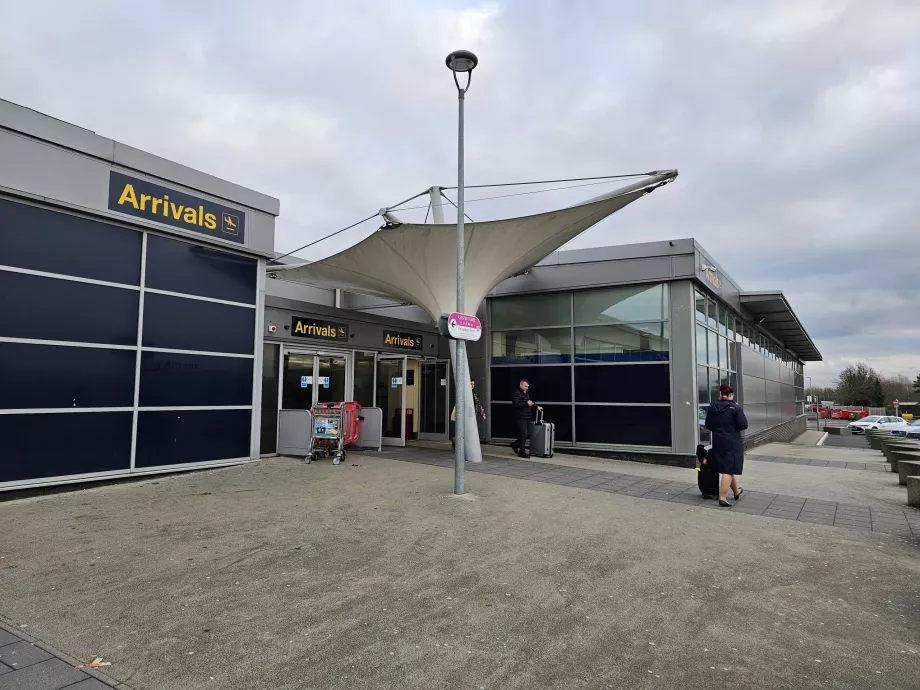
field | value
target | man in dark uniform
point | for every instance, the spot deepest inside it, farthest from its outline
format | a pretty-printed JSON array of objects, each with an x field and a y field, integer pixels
[{"x": 523, "y": 415}]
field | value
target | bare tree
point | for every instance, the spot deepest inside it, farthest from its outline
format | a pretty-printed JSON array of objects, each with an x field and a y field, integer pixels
[
  {"x": 858, "y": 384},
  {"x": 897, "y": 387}
]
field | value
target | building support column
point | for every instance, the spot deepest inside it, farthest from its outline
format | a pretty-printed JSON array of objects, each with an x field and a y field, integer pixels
[{"x": 684, "y": 410}]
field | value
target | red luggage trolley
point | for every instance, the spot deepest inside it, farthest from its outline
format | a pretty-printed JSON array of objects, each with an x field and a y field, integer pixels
[{"x": 335, "y": 426}]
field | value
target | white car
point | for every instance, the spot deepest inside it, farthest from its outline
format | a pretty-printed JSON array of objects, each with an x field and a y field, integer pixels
[{"x": 876, "y": 422}]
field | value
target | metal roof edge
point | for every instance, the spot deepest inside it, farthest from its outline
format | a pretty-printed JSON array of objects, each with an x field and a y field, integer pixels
[{"x": 47, "y": 128}]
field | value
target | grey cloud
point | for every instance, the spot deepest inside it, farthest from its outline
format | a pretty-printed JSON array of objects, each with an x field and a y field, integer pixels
[{"x": 794, "y": 124}]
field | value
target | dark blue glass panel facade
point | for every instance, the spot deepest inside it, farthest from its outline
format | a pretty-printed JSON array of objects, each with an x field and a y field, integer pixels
[
  {"x": 504, "y": 416},
  {"x": 196, "y": 270},
  {"x": 180, "y": 437},
  {"x": 58, "y": 445},
  {"x": 43, "y": 240},
  {"x": 175, "y": 380},
  {"x": 623, "y": 383},
  {"x": 49, "y": 376},
  {"x": 53, "y": 309},
  {"x": 623, "y": 357},
  {"x": 546, "y": 383},
  {"x": 636, "y": 426},
  {"x": 188, "y": 324}
]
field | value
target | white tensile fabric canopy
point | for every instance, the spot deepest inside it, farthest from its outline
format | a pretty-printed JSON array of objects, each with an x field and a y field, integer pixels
[{"x": 417, "y": 262}]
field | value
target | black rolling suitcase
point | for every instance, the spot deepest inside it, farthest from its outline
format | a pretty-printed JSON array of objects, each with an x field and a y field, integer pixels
[
  {"x": 542, "y": 437},
  {"x": 708, "y": 477}
]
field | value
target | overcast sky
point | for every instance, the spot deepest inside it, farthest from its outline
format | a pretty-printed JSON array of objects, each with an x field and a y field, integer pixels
[{"x": 795, "y": 125}]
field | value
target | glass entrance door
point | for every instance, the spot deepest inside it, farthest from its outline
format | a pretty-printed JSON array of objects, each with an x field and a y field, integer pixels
[
  {"x": 297, "y": 383},
  {"x": 433, "y": 404},
  {"x": 330, "y": 379},
  {"x": 391, "y": 398},
  {"x": 311, "y": 377}
]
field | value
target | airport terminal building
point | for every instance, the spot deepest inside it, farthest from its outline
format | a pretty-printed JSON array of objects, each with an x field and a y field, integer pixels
[
  {"x": 624, "y": 348},
  {"x": 143, "y": 330}
]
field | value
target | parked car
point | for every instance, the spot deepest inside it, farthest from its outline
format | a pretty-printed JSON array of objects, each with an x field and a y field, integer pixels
[
  {"x": 876, "y": 422},
  {"x": 912, "y": 427}
]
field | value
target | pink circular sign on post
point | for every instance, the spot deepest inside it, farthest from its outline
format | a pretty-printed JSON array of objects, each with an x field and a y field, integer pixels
[{"x": 464, "y": 326}]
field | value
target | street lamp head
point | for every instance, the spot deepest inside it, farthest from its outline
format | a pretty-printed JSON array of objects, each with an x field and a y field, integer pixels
[{"x": 461, "y": 61}]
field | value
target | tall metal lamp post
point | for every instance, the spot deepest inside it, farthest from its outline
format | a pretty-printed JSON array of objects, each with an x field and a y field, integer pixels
[{"x": 460, "y": 61}]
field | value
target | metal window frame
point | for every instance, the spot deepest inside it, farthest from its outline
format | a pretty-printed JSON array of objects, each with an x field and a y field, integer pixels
[
  {"x": 664, "y": 320},
  {"x": 71, "y": 279}
]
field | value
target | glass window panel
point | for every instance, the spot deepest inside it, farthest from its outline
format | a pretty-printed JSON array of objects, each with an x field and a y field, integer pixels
[
  {"x": 46, "y": 376},
  {"x": 389, "y": 398},
  {"x": 705, "y": 434},
  {"x": 723, "y": 357},
  {"x": 627, "y": 383},
  {"x": 190, "y": 324},
  {"x": 713, "y": 348},
  {"x": 56, "y": 445},
  {"x": 701, "y": 338},
  {"x": 364, "y": 378},
  {"x": 532, "y": 311},
  {"x": 196, "y": 270},
  {"x": 53, "y": 309},
  {"x": 43, "y": 240},
  {"x": 432, "y": 398},
  {"x": 169, "y": 379},
  {"x": 334, "y": 369},
  {"x": 268, "y": 442},
  {"x": 733, "y": 382},
  {"x": 713, "y": 385},
  {"x": 723, "y": 320},
  {"x": 621, "y": 304},
  {"x": 713, "y": 308},
  {"x": 295, "y": 395},
  {"x": 639, "y": 426},
  {"x": 173, "y": 438},
  {"x": 731, "y": 355},
  {"x": 547, "y": 346},
  {"x": 646, "y": 342},
  {"x": 702, "y": 385},
  {"x": 700, "y": 307},
  {"x": 552, "y": 384},
  {"x": 730, "y": 326}
]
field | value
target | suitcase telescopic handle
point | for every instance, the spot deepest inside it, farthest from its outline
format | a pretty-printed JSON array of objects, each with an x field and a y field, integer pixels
[{"x": 539, "y": 417}]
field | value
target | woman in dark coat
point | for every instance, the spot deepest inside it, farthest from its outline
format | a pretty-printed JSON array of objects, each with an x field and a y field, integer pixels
[{"x": 726, "y": 420}]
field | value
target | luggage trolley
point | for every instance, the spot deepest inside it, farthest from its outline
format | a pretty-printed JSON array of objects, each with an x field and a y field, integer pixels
[{"x": 335, "y": 426}]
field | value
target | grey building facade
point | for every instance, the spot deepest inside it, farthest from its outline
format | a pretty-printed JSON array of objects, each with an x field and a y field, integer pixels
[
  {"x": 628, "y": 345},
  {"x": 625, "y": 347},
  {"x": 142, "y": 330},
  {"x": 131, "y": 312}
]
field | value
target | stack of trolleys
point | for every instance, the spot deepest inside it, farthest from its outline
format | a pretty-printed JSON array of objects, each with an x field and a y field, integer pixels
[{"x": 335, "y": 426}]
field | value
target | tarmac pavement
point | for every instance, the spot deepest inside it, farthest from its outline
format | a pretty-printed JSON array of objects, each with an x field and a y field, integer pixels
[{"x": 371, "y": 575}]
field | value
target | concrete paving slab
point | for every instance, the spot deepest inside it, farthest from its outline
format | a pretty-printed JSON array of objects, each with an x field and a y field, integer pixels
[
  {"x": 52, "y": 674},
  {"x": 283, "y": 575},
  {"x": 21, "y": 654}
]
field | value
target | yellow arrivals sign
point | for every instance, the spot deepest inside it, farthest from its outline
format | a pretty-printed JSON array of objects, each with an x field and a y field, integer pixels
[
  {"x": 711, "y": 276},
  {"x": 321, "y": 330},
  {"x": 402, "y": 341},
  {"x": 143, "y": 199}
]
